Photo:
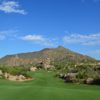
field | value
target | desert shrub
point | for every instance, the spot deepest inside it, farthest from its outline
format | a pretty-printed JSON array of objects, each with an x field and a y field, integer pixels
[{"x": 16, "y": 70}]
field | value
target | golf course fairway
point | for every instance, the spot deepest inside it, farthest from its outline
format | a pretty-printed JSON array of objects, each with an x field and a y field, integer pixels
[{"x": 45, "y": 86}]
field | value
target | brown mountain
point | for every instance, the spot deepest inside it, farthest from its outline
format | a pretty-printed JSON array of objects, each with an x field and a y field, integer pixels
[{"x": 54, "y": 54}]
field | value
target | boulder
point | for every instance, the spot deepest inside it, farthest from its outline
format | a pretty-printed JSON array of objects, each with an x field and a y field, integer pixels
[
  {"x": 89, "y": 80},
  {"x": 12, "y": 78},
  {"x": 33, "y": 69},
  {"x": 22, "y": 77}
]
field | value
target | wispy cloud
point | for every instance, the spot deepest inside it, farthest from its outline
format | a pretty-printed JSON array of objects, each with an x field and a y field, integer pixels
[
  {"x": 33, "y": 38},
  {"x": 69, "y": 38},
  {"x": 39, "y": 39},
  {"x": 7, "y": 34},
  {"x": 83, "y": 39},
  {"x": 11, "y": 7}
]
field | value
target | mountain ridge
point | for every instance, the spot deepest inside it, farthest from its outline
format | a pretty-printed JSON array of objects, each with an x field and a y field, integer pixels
[{"x": 55, "y": 54}]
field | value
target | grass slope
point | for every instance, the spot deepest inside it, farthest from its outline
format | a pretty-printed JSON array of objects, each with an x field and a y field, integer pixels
[{"x": 46, "y": 87}]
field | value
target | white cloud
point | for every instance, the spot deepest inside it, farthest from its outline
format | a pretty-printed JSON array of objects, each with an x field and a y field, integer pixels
[
  {"x": 79, "y": 39},
  {"x": 11, "y": 7},
  {"x": 36, "y": 38},
  {"x": 39, "y": 39},
  {"x": 83, "y": 39}
]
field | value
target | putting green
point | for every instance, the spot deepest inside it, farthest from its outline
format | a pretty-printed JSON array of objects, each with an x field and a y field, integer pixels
[{"x": 46, "y": 87}]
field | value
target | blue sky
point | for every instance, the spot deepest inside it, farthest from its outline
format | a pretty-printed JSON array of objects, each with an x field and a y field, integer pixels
[{"x": 31, "y": 25}]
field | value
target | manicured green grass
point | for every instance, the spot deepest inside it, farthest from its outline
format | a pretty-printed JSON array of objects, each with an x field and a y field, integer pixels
[{"x": 46, "y": 87}]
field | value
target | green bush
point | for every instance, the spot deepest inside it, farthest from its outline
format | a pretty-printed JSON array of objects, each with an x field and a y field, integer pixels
[{"x": 16, "y": 70}]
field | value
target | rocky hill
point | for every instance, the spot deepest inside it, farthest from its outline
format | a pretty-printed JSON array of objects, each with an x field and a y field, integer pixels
[{"x": 53, "y": 54}]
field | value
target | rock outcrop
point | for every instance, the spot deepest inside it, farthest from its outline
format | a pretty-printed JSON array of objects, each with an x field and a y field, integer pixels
[{"x": 10, "y": 77}]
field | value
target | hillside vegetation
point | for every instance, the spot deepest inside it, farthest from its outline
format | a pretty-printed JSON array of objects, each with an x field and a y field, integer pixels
[{"x": 70, "y": 66}]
